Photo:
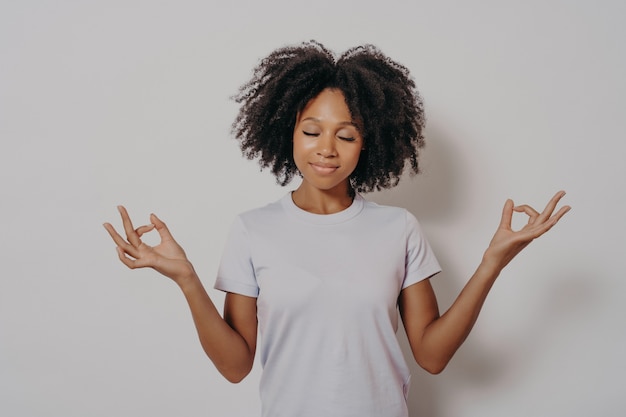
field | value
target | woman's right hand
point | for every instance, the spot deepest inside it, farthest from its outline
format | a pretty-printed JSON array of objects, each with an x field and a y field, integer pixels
[{"x": 167, "y": 257}]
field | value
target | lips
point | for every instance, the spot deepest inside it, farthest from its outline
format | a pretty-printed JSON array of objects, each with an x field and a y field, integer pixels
[{"x": 324, "y": 167}]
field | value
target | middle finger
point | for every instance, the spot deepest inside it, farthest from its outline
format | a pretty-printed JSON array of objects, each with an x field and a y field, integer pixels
[
  {"x": 547, "y": 212},
  {"x": 119, "y": 240},
  {"x": 131, "y": 234}
]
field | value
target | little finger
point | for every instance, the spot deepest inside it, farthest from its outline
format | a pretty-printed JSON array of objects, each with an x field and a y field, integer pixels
[
  {"x": 121, "y": 254},
  {"x": 554, "y": 219},
  {"x": 549, "y": 223},
  {"x": 547, "y": 212}
]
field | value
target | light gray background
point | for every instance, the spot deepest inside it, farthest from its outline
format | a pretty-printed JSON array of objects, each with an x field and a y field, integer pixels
[{"x": 127, "y": 102}]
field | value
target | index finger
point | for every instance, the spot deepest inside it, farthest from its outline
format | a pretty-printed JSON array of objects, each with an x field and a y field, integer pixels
[{"x": 131, "y": 235}]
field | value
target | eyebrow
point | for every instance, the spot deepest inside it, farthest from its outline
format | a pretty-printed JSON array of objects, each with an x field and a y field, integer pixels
[{"x": 346, "y": 123}]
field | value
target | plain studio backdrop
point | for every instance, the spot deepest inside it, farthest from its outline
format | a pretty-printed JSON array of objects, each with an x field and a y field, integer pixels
[{"x": 127, "y": 102}]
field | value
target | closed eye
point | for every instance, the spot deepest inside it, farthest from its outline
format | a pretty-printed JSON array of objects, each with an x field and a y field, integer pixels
[
  {"x": 347, "y": 139},
  {"x": 310, "y": 133}
]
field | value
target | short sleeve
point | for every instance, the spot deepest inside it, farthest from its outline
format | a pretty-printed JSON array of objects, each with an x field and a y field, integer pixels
[
  {"x": 420, "y": 262},
  {"x": 236, "y": 271}
]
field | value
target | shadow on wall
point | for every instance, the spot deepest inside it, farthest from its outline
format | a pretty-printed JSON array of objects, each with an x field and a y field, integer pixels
[{"x": 435, "y": 196}]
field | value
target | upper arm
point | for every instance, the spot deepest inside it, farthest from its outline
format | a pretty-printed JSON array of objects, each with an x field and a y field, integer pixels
[
  {"x": 240, "y": 314},
  {"x": 418, "y": 309}
]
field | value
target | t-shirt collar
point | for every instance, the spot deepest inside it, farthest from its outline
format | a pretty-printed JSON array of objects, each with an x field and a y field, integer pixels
[{"x": 323, "y": 219}]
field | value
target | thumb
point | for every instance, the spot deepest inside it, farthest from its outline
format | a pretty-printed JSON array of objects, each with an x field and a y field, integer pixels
[{"x": 507, "y": 214}]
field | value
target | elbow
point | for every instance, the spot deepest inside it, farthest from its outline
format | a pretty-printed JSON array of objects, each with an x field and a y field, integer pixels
[
  {"x": 433, "y": 366},
  {"x": 434, "y": 369},
  {"x": 432, "y": 360},
  {"x": 232, "y": 367},
  {"x": 235, "y": 378},
  {"x": 235, "y": 375}
]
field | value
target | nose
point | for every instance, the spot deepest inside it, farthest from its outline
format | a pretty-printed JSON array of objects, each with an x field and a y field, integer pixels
[{"x": 326, "y": 146}]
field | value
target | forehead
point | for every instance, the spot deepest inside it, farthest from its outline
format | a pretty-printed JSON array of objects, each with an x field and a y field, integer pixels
[{"x": 330, "y": 104}]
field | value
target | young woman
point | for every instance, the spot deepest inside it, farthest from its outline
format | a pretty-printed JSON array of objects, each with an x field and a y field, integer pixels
[{"x": 321, "y": 273}]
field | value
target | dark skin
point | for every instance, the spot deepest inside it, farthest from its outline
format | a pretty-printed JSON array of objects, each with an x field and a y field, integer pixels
[{"x": 326, "y": 149}]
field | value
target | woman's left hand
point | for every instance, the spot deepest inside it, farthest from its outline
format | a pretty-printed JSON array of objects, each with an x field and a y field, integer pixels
[{"x": 507, "y": 243}]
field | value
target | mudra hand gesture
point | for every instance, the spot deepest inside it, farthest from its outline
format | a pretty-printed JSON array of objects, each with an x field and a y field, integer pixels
[
  {"x": 507, "y": 243},
  {"x": 167, "y": 257}
]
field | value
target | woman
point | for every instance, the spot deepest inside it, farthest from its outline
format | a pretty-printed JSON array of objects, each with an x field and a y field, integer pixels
[{"x": 322, "y": 272}]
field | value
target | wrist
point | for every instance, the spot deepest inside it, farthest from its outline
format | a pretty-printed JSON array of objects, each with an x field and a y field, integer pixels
[
  {"x": 185, "y": 275},
  {"x": 189, "y": 280},
  {"x": 496, "y": 259},
  {"x": 490, "y": 265}
]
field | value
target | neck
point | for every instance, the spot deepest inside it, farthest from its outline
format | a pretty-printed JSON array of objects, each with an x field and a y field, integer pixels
[{"x": 319, "y": 201}]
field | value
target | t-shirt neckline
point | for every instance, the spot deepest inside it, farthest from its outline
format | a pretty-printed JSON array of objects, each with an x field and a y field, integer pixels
[{"x": 323, "y": 219}]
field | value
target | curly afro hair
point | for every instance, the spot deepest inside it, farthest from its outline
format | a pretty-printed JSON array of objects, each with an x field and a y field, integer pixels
[{"x": 380, "y": 94}]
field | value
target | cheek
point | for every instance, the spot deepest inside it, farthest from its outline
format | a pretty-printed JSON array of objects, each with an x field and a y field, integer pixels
[
  {"x": 299, "y": 153},
  {"x": 353, "y": 154},
  {"x": 301, "y": 146},
  {"x": 297, "y": 148}
]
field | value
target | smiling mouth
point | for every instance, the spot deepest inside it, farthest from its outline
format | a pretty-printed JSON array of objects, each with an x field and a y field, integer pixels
[{"x": 323, "y": 168}]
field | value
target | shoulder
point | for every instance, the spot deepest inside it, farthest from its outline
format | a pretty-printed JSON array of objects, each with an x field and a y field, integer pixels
[
  {"x": 253, "y": 227},
  {"x": 384, "y": 213},
  {"x": 262, "y": 220},
  {"x": 265, "y": 212}
]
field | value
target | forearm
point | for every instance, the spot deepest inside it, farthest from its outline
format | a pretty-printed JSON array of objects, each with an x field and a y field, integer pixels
[
  {"x": 434, "y": 339},
  {"x": 444, "y": 335},
  {"x": 226, "y": 348},
  {"x": 229, "y": 342}
]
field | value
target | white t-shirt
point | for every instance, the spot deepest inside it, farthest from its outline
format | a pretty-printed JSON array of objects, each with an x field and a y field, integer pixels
[{"x": 327, "y": 288}]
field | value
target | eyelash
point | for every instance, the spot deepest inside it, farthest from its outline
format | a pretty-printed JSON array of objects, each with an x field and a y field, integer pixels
[{"x": 340, "y": 137}]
